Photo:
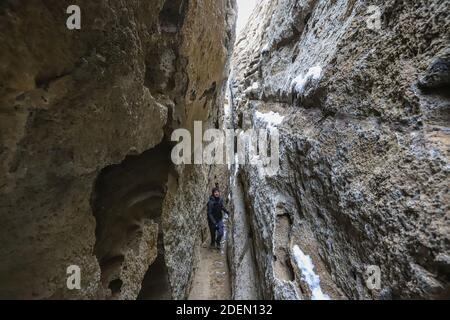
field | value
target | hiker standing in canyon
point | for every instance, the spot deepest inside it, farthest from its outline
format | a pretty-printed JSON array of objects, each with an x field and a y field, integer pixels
[{"x": 215, "y": 218}]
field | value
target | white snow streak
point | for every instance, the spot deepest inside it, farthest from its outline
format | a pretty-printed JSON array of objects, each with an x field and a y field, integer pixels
[
  {"x": 299, "y": 83},
  {"x": 306, "y": 266}
]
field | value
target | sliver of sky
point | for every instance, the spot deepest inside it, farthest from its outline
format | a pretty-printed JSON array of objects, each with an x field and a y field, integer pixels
[{"x": 245, "y": 8}]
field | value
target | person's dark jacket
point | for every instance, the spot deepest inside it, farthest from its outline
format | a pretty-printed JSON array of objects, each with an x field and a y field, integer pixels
[{"x": 215, "y": 209}]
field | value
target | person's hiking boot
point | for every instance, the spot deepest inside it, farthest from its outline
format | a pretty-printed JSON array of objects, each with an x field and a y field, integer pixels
[
  {"x": 212, "y": 245},
  {"x": 218, "y": 246}
]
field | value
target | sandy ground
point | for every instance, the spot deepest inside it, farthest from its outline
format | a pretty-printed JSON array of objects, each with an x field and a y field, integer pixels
[{"x": 211, "y": 279}]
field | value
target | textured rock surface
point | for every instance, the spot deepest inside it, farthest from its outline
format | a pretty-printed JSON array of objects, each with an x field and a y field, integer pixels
[
  {"x": 80, "y": 113},
  {"x": 364, "y": 146}
]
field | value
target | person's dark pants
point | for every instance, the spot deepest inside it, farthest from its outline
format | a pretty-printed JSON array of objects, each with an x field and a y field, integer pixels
[{"x": 216, "y": 231}]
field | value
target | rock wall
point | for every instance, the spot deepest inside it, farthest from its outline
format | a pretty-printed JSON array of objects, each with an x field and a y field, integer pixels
[
  {"x": 85, "y": 123},
  {"x": 364, "y": 148}
]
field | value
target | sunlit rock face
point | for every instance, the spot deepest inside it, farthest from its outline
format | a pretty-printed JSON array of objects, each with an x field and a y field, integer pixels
[
  {"x": 85, "y": 123},
  {"x": 364, "y": 140}
]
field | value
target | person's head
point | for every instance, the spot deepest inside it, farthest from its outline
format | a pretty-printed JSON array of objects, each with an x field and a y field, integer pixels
[{"x": 216, "y": 192}]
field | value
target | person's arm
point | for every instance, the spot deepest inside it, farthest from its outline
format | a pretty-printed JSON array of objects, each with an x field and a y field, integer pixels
[{"x": 210, "y": 216}]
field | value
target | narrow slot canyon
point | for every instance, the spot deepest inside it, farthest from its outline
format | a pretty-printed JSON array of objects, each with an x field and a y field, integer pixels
[{"x": 332, "y": 129}]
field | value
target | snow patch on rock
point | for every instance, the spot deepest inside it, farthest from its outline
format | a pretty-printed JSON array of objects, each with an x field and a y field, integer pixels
[
  {"x": 299, "y": 83},
  {"x": 265, "y": 49},
  {"x": 306, "y": 266},
  {"x": 253, "y": 89},
  {"x": 272, "y": 119}
]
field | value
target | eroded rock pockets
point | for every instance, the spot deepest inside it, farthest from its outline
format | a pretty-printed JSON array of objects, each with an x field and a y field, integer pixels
[
  {"x": 127, "y": 205},
  {"x": 163, "y": 64}
]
